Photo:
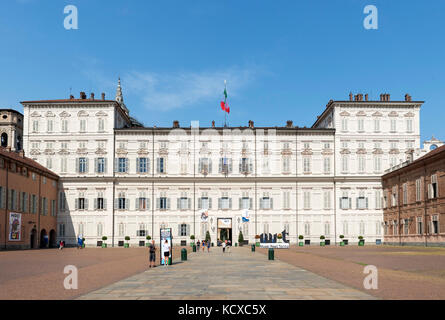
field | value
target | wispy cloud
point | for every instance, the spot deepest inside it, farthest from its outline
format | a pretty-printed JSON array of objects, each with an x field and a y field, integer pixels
[{"x": 166, "y": 92}]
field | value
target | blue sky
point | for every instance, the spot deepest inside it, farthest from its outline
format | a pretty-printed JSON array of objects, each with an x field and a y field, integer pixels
[{"x": 283, "y": 60}]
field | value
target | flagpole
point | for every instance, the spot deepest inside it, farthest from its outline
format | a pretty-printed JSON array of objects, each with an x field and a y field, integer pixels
[{"x": 225, "y": 103}]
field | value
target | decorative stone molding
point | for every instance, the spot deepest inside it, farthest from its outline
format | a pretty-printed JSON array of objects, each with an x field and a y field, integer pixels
[
  {"x": 82, "y": 113},
  {"x": 64, "y": 114},
  {"x": 393, "y": 114}
]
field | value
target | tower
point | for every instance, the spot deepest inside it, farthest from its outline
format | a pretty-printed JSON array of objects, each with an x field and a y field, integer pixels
[{"x": 11, "y": 129}]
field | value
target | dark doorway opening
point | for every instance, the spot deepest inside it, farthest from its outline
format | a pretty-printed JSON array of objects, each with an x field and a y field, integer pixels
[
  {"x": 4, "y": 139},
  {"x": 33, "y": 239},
  {"x": 43, "y": 239},
  {"x": 52, "y": 239}
]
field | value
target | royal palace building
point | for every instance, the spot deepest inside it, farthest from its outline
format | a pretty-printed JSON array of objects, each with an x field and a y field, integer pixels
[{"x": 119, "y": 178}]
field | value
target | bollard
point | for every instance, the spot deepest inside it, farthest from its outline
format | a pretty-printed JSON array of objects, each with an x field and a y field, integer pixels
[
  {"x": 253, "y": 248},
  {"x": 184, "y": 254},
  {"x": 271, "y": 254},
  {"x": 194, "y": 248}
]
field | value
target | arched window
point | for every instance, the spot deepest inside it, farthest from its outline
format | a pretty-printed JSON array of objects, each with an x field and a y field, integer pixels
[{"x": 4, "y": 139}]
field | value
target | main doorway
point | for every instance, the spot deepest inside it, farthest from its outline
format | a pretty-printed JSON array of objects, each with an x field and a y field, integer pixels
[{"x": 225, "y": 229}]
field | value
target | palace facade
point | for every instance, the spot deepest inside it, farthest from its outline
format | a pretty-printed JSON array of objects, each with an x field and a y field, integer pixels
[{"x": 119, "y": 178}]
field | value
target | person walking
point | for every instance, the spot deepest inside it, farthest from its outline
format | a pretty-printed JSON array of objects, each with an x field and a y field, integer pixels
[
  {"x": 61, "y": 244},
  {"x": 229, "y": 243},
  {"x": 208, "y": 245},
  {"x": 152, "y": 253},
  {"x": 224, "y": 246},
  {"x": 203, "y": 245},
  {"x": 79, "y": 242},
  {"x": 197, "y": 245},
  {"x": 166, "y": 252}
]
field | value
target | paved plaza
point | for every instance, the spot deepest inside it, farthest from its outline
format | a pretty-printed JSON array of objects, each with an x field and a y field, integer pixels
[{"x": 239, "y": 274}]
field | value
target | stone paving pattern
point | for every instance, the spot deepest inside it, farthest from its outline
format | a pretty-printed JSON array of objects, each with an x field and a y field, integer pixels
[{"x": 240, "y": 275}]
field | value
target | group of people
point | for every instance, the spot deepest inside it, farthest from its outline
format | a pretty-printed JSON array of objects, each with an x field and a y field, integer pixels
[
  {"x": 166, "y": 249},
  {"x": 226, "y": 245},
  {"x": 204, "y": 244}
]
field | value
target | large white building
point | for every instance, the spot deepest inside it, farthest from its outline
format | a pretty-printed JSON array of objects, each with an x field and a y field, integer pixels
[{"x": 120, "y": 179}]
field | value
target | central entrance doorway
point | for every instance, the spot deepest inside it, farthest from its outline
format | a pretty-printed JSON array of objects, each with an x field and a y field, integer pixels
[{"x": 225, "y": 229}]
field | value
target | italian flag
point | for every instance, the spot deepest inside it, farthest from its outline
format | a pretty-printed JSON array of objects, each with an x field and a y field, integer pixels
[{"x": 224, "y": 106}]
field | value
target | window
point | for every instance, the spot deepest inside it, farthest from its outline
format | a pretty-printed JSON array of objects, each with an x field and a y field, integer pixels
[
  {"x": 184, "y": 203},
  {"x": 327, "y": 145},
  {"x": 143, "y": 165},
  {"x": 327, "y": 165},
  {"x": 50, "y": 125},
  {"x": 82, "y": 165},
  {"x": 225, "y": 165},
  {"x": 286, "y": 168},
  {"x": 64, "y": 125},
  {"x": 35, "y": 125},
  {"x": 362, "y": 228},
  {"x": 63, "y": 165},
  {"x": 183, "y": 230},
  {"x": 266, "y": 202},
  {"x": 204, "y": 202},
  {"x": 100, "y": 165},
  {"x": 418, "y": 189},
  {"x": 83, "y": 125},
  {"x": 360, "y": 124},
  {"x": 376, "y": 125},
  {"x": 327, "y": 199},
  {"x": 266, "y": 228},
  {"x": 286, "y": 200},
  {"x": 307, "y": 229},
  {"x": 344, "y": 145},
  {"x": 306, "y": 165},
  {"x": 393, "y": 161},
  {"x": 244, "y": 203},
  {"x": 122, "y": 202},
  {"x": 100, "y": 202},
  {"x": 61, "y": 230},
  {"x": 53, "y": 208},
  {"x": 405, "y": 226},
  {"x": 121, "y": 229},
  {"x": 141, "y": 232},
  {"x": 405, "y": 193},
  {"x": 81, "y": 202},
  {"x": 49, "y": 163},
  {"x": 266, "y": 168},
  {"x": 122, "y": 165},
  {"x": 245, "y": 165},
  {"x": 362, "y": 201},
  {"x": 306, "y": 200},
  {"x": 205, "y": 165},
  {"x": 377, "y": 164},
  {"x": 378, "y": 199},
  {"x": 12, "y": 200},
  {"x": 2, "y": 200},
  {"x": 161, "y": 165},
  {"x": 163, "y": 203},
  {"x": 327, "y": 228},
  {"x": 101, "y": 125},
  {"x": 393, "y": 125},
  {"x": 344, "y": 163},
  {"x": 419, "y": 225},
  {"x": 286, "y": 145},
  {"x": 435, "y": 224},
  {"x": 344, "y": 124},
  {"x": 433, "y": 187},
  {"x": 99, "y": 229},
  {"x": 409, "y": 125},
  {"x": 345, "y": 228},
  {"x": 345, "y": 201},
  {"x": 394, "y": 196},
  {"x": 225, "y": 202},
  {"x": 361, "y": 163},
  {"x": 34, "y": 204},
  {"x": 306, "y": 146},
  {"x": 44, "y": 206}
]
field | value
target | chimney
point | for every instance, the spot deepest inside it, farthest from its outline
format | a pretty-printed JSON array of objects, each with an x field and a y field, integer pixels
[
  {"x": 92, "y": 96},
  {"x": 176, "y": 124},
  {"x": 382, "y": 97},
  {"x": 289, "y": 124},
  {"x": 407, "y": 97},
  {"x": 103, "y": 96},
  {"x": 360, "y": 97},
  {"x": 356, "y": 97},
  {"x": 83, "y": 95},
  {"x": 213, "y": 123},
  {"x": 366, "y": 97},
  {"x": 71, "y": 97},
  {"x": 388, "y": 97},
  {"x": 250, "y": 124},
  {"x": 350, "y": 96}
]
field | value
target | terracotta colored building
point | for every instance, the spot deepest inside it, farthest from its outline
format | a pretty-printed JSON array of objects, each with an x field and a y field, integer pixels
[
  {"x": 414, "y": 201},
  {"x": 28, "y": 202}
]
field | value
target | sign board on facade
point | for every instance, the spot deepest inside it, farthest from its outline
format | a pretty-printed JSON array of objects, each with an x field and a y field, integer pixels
[
  {"x": 224, "y": 223},
  {"x": 15, "y": 226}
]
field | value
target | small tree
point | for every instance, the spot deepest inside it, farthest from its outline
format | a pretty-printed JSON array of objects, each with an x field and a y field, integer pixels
[
  {"x": 192, "y": 237},
  {"x": 208, "y": 236},
  {"x": 104, "y": 238},
  {"x": 300, "y": 237},
  {"x": 360, "y": 237},
  {"x": 148, "y": 237},
  {"x": 127, "y": 238},
  {"x": 342, "y": 236},
  {"x": 240, "y": 237}
]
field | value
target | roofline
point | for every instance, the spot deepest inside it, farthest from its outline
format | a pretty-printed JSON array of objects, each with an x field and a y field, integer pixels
[
  {"x": 332, "y": 102},
  {"x": 44, "y": 171},
  {"x": 59, "y": 101},
  {"x": 11, "y": 110},
  {"x": 330, "y": 131}
]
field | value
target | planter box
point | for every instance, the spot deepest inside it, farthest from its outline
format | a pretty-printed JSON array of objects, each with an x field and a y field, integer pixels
[
  {"x": 301, "y": 243},
  {"x": 322, "y": 244},
  {"x": 342, "y": 244},
  {"x": 104, "y": 245},
  {"x": 126, "y": 245},
  {"x": 361, "y": 243},
  {"x": 147, "y": 244}
]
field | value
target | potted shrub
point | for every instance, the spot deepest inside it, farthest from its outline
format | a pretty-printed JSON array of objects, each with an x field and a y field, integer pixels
[
  {"x": 361, "y": 241},
  {"x": 322, "y": 243},
  {"x": 342, "y": 242},
  {"x": 83, "y": 242},
  {"x": 301, "y": 243},
  {"x": 148, "y": 241},
  {"x": 127, "y": 245},
  {"x": 104, "y": 245},
  {"x": 240, "y": 238},
  {"x": 192, "y": 243},
  {"x": 280, "y": 237},
  {"x": 257, "y": 240}
]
